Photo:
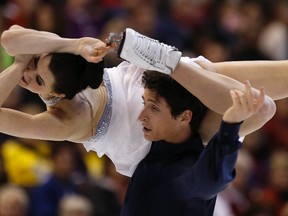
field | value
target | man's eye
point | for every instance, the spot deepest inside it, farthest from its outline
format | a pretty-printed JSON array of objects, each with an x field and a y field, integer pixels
[{"x": 154, "y": 108}]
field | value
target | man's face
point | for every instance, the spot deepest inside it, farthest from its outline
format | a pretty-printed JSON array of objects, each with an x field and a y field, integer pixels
[{"x": 157, "y": 121}]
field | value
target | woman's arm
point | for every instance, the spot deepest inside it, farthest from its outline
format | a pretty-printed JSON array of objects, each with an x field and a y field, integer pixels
[
  {"x": 55, "y": 124},
  {"x": 212, "y": 89},
  {"x": 10, "y": 77},
  {"x": 18, "y": 40}
]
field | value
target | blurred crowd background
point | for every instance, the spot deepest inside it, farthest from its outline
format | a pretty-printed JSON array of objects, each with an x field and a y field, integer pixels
[{"x": 40, "y": 178}]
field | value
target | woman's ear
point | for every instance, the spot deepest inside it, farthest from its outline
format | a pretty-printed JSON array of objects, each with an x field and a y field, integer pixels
[{"x": 186, "y": 116}]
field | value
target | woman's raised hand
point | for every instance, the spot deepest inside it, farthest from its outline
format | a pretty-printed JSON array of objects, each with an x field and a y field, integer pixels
[{"x": 92, "y": 49}]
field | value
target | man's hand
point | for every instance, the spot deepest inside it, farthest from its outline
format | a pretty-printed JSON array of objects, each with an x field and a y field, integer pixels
[{"x": 245, "y": 104}]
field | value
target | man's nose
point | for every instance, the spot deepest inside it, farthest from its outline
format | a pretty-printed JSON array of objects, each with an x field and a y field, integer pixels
[{"x": 143, "y": 116}]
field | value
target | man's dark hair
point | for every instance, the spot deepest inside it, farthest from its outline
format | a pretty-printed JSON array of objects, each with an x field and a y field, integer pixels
[
  {"x": 176, "y": 96},
  {"x": 73, "y": 73}
]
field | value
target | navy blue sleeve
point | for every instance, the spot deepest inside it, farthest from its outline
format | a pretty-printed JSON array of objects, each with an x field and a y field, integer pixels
[{"x": 215, "y": 166}]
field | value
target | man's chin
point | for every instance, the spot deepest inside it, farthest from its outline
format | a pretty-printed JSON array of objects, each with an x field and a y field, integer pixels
[
  {"x": 147, "y": 137},
  {"x": 151, "y": 139}
]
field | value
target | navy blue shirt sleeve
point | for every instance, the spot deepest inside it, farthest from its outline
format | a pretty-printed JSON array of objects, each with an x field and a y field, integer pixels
[{"x": 215, "y": 167}]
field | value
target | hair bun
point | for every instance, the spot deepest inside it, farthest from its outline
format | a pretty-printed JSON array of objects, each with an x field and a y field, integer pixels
[{"x": 93, "y": 74}]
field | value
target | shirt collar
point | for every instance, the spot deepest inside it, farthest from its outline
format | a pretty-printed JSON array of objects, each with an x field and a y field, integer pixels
[{"x": 162, "y": 149}]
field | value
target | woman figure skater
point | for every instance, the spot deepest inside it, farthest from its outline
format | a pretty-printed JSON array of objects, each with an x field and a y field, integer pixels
[{"x": 99, "y": 107}]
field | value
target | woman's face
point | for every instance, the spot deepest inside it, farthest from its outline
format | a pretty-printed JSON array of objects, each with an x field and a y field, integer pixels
[{"x": 37, "y": 77}]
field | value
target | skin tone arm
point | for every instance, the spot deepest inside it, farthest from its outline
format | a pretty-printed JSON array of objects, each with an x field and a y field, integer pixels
[
  {"x": 54, "y": 124},
  {"x": 10, "y": 77},
  {"x": 272, "y": 75},
  {"x": 50, "y": 125},
  {"x": 18, "y": 40},
  {"x": 213, "y": 90}
]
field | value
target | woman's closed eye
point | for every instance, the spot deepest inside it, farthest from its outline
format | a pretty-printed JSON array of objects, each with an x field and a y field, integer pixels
[
  {"x": 39, "y": 80},
  {"x": 36, "y": 60}
]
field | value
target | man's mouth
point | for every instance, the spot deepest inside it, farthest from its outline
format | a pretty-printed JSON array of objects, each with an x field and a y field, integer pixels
[{"x": 146, "y": 130}]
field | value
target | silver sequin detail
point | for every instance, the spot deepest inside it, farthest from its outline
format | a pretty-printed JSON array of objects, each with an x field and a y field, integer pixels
[
  {"x": 51, "y": 102},
  {"x": 104, "y": 123}
]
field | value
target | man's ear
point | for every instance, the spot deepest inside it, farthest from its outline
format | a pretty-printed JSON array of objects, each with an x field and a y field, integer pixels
[{"x": 186, "y": 116}]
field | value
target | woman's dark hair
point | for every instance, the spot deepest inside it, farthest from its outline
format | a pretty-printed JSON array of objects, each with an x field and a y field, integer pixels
[
  {"x": 176, "y": 96},
  {"x": 73, "y": 73}
]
